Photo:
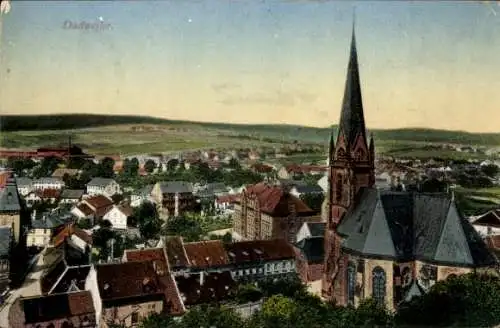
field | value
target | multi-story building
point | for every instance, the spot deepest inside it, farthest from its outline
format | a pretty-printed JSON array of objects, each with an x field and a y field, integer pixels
[
  {"x": 5, "y": 256},
  {"x": 10, "y": 207},
  {"x": 103, "y": 186},
  {"x": 174, "y": 197},
  {"x": 48, "y": 183},
  {"x": 266, "y": 211},
  {"x": 382, "y": 244}
]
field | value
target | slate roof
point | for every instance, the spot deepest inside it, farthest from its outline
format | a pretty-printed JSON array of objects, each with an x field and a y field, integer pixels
[
  {"x": 72, "y": 277},
  {"x": 408, "y": 226},
  {"x": 48, "y": 180},
  {"x": 317, "y": 229},
  {"x": 308, "y": 189},
  {"x": 489, "y": 219},
  {"x": 312, "y": 249},
  {"x": 72, "y": 194},
  {"x": 9, "y": 198},
  {"x": 171, "y": 187},
  {"x": 145, "y": 191},
  {"x": 47, "y": 222},
  {"x": 24, "y": 182},
  {"x": 99, "y": 182},
  {"x": 5, "y": 241}
]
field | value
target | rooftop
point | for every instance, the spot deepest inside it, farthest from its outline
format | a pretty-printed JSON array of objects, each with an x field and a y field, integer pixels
[
  {"x": 205, "y": 254},
  {"x": 205, "y": 287},
  {"x": 258, "y": 250}
]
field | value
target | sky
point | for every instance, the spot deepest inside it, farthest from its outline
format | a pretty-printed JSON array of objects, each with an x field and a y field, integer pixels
[{"x": 422, "y": 64}]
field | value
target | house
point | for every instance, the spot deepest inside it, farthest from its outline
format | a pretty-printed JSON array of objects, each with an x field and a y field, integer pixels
[
  {"x": 75, "y": 309},
  {"x": 173, "y": 303},
  {"x": 294, "y": 171},
  {"x": 311, "y": 229},
  {"x": 41, "y": 230},
  {"x": 299, "y": 191},
  {"x": 310, "y": 255},
  {"x": 225, "y": 203},
  {"x": 257, "y": 259},
  {"x": 261, "y": 168},
  {"x": 24, "y": 186},
  {"x": 118, "y": 216},
  {"x": 265, "y": 211},
  {"x": 61, "y": 172},
  {"x": 93, "y": 208},
  {"x": 6, "y": 239},
  {"x": 205, "y": 287},
  {"x": 48, "y": 196},
  {"x": 74, "y": 237},
  {"x": 103, "y": 186},
  {"x": 129, "y": 292},
  {"x": 175, "y": 197},
  {"x": 10, "y": 207},
  {"x": 64, "y": 278},
  {"x": 71, "y": 196},
  {"x": 139, "y": 197},
  {"x": 379, "y": 243},
  {"x": 48, "y": 183},
  {"x": 488, "y": 223}
]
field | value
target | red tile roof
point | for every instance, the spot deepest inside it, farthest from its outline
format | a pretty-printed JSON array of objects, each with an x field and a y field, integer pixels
[
  {"x": 99, "y": 202},
  {"x": 176, "y": 253},
  {"x": 490, "y": 219},
  {"x": 257, "y": 250},
  {"x": 127, "y": 210},
  {"x": 129, "y": 280},
  {"x": 48, "y": 193},
  {"x": 262, "y": 168},
  {"x": 205, "y": 288},
  {"x": 295, "y": 168},
  {"x": 275, "y": 201},
  {"x": 493, "y": 242},
  {"x": 227, "y": 199},
  {"x": 157, "y": 256},
  {"x": 69, "y": 230},
  {"x": 4, "y": 176},
  {"x": 40, "y": 309},
  {"x": 85, "y": 209},
  {"x": 206, "y": 254}
]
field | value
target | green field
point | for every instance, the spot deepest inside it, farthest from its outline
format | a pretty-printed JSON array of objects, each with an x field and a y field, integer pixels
[
  {"x": 101, "y": 134},
  {"x": 477, "y": 201}
]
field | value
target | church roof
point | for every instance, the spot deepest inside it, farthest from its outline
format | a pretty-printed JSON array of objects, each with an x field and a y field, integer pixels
[
  {"x": 409, "y": 226},
  {"x": 352, "y": 122}
]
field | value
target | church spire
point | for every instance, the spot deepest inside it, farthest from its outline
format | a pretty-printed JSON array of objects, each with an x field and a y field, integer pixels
[
  {"x": 331, "y": 149},
  {"x": 352, "y": 121}
]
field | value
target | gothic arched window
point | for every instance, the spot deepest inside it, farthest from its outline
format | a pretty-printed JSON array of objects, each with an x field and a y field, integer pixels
[
  {"x": 360, "y": 155},
  {"x": 351, "y": 283},
  {"x": 339, "y": 187},
  {"x": 378, "y": 285}
]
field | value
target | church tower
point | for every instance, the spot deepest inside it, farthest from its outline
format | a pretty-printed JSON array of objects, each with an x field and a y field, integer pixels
[{"x": 351, "y": 167}]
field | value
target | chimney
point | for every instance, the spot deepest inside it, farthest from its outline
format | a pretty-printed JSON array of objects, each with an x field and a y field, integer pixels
[{"x": 202, "y": 278}]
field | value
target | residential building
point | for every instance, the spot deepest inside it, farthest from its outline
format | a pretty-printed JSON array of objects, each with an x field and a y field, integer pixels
[
  {"x": 129, "y": 292},
  {"x": 48, "y": 196},
  {"x": 296, "y": 171},
  {"x": 75, "y": 309},
  {"x": 93, "y": 208},
  {"x": 71, "y": 196},
  {"x": 488, "y": 223},
  {"x": 6, "y": 239},
  {"x": 118, "y": 216},
  {"x": 42, "y": 229},
  {"x": 139, "y": 197},
  {"x": 225, "y": 203},
  {"x": 174, "y": 197},
  {"x": 48, "y": 183},
  {"x": 205, "y": 287},
  {"x": 103, "y": 186},
  {"x": 379, "y": 244},
  {"x": 10, "y": 207},
  {"x": 24, "y": 186},
  {"x": 311, "y": 229},
  {"x": 74, "y": 237},
  {"x": 310, "y": 255},
  {"x": 266, "y": 211}
]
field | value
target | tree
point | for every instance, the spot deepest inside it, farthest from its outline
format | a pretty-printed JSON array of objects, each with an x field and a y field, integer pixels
[
  {"x": 130, "y": 167},
  {"x": 490, "y": 170},
  {"x": 469, "y": 300},
  {"x": 279, "y": 306},
  {"x": 314, "y": 201},
  {"x": 19, "y": 165},
  {"x": 47, "y": 166},
  {"x": 157, "y": 321},
  {"x": 172, "y": 164},
  {"x": 105, "y": 168},
  {"x": 234, "y": 163},
  {"x": 150, "y": 166},
  {"x": 211, "y": 316},
  {"x": 189, "y": 228}
]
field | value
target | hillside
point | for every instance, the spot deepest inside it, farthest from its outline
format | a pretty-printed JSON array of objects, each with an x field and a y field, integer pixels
[{"x": 79, "y": 121}]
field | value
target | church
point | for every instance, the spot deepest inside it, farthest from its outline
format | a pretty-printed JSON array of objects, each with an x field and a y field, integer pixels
[{"x": 386, "y": 245}]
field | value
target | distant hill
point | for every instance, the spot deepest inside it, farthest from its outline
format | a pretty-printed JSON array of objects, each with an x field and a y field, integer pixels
[{"x": 79, "y": 121}]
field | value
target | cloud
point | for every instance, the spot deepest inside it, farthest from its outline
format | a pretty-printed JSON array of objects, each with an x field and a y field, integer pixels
[{"x": 278, "y": 99}]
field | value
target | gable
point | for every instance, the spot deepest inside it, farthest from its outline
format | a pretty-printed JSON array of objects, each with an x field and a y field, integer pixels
[
  {"x": 379, "y": 240},
  {"x": 453, "y": 245}
]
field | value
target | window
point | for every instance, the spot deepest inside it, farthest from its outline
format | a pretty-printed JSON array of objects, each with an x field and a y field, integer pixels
[
  {"x": 378, "y": 285},
  {"x": 134, "y": 318},
  {"x": 351, "y": 283},
  {"x": 338, "y": 193}
]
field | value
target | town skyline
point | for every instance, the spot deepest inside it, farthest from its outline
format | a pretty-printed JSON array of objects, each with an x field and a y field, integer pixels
[{"x": 202, "y": 64}]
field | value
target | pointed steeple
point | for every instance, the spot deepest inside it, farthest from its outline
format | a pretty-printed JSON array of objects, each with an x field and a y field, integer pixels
[
  {"x": 372, "y": 147},
  {"x": 352, "y": 121},
  {"x": 331, "y": 149}
]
